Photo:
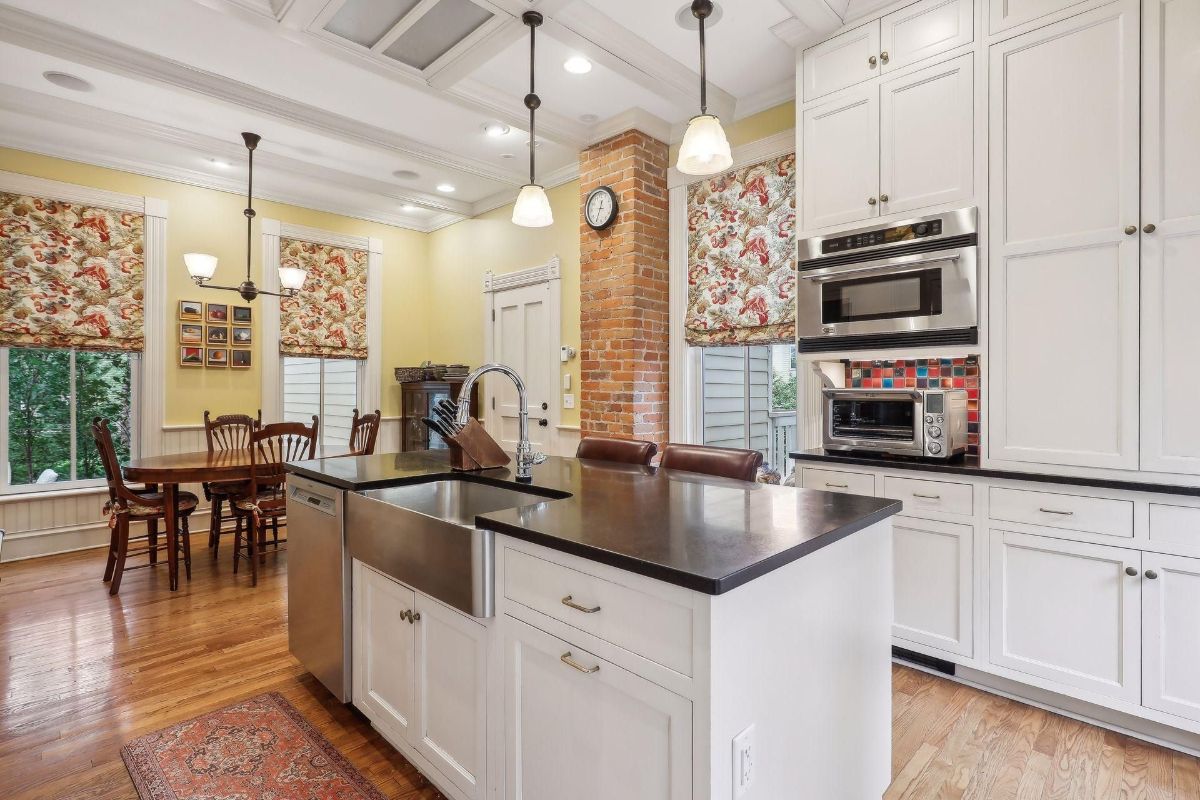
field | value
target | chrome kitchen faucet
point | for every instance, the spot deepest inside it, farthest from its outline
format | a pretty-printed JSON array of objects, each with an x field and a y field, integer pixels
[{"x": 526, "y": 457}]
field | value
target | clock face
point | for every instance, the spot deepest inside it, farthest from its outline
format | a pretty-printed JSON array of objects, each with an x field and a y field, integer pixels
[{"x": 600, "y": 209}]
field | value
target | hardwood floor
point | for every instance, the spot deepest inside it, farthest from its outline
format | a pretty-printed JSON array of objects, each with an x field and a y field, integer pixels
[{"x": 82, "y": 673}]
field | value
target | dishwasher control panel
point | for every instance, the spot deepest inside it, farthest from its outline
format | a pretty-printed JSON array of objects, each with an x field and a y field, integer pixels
[{"x": 311, "y": 499}]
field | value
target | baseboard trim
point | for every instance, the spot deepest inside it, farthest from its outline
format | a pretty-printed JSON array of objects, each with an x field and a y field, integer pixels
[{"x": 23, "y": 545}]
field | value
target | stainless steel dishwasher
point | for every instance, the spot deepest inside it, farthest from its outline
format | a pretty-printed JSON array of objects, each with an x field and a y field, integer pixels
[{"x": 319, "y": 583}]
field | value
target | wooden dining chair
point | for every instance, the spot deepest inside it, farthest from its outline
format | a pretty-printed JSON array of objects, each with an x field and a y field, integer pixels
[
  {"x": 363, "y": 432},
  {"x": 126, "y": 505},
  {"x": 226, "y": 432},
  {"x": 265, "y": 499}
]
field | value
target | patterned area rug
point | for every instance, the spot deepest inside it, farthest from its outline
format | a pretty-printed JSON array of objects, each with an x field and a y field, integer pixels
[{"x": 258, "y": 749}]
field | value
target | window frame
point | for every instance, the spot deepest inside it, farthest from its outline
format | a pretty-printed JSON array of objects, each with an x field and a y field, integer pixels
[
  {"x": 135, "y": 444},
  {"x": 359, "y": 374}
]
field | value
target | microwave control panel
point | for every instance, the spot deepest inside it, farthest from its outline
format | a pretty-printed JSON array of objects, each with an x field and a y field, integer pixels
[{"x": 900, "y": 233}]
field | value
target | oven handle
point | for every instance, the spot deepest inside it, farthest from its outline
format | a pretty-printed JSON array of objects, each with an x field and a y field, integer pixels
[
  {"x": 891, "y": 394},
  {"x": 894, "y": 268}
]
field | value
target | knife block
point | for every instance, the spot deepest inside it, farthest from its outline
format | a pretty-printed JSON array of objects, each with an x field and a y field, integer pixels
[{"x": 473, "y": 448}]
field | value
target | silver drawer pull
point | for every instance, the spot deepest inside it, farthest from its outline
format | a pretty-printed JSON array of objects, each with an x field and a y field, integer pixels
[
  {"x": 927, "y": 496},
  {"x": 570, "y": 662},
  {"x": 836, "y": 486},
  {"x": 1060, "y": 513},
  {"x": 570, "y": 603}
]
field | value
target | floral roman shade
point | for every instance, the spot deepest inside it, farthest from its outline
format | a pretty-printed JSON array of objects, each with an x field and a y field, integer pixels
[
  {"x": 71, "y": 275},
  {"x": 328, "y": 316},
  {"x": 742, "y": 256}
]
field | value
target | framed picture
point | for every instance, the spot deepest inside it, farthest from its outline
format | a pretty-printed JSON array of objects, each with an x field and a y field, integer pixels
[
  {"x": 242, "y": 314},
  {"x": 239, "y": 359},
  {"x": 191, "y": 334},
  {"x": 218, "y": 334},
  {"x": 218, "y": 312},
  {"x": 218, "y": 357},
  {"x": 242, "y": 337},
  {"x": 191, "y": 309},
  {"x": 191, "y": 356}
]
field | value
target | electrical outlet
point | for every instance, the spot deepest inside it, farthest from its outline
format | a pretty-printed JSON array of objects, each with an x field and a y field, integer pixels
[
  {"x": 743, "y": 762},
  {"x": 568, "y": 401}
]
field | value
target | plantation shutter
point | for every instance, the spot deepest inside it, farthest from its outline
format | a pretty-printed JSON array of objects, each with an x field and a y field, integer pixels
[
  {"x": 71, "y": 275},
  {"x": 742, "y": 256},
  {"x": 328, "y": 317}
]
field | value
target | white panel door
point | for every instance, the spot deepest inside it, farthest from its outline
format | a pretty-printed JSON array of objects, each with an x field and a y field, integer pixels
[
  {"x": 451, "y": 722},
  {"x": 922, "y": 31},
  {"x": 841, "y": 160},
  {"x": 384, "y": 651},
  {"x": 579, "y": 727},
  {"x": 1064, "y": 250},
  {"x": 1067, "y": 611},
  {"x": 521, "y": 338},
  {"x": 1005, "y": 14},
  {"x": 926, "y": 137},
  {"x": 933, "y": 583},
  {"x": 846, "y": 59},
  {"x": 1171, "y": 625},
  {"x": 1171, "y": 248}
]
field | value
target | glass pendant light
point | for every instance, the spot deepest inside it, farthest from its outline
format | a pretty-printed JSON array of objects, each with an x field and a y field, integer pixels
[
  {"x": 704, "y": 150},
  {"x": 532, "y": 209}
]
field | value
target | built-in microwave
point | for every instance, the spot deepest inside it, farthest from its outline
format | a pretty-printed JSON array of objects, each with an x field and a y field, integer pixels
[
  {"x": 906, "y": 284},
  {"x": 926, "y": 423}
]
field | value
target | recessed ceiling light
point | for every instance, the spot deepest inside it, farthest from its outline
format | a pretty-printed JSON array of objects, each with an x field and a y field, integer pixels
[
  {"x": 405, "y": 174},
  {"x": 577, "y": 65},
  {"x": 445, "y": 187},
  {"x": 216, "y": 162},
  {"x": 494, "y": 130},
  {"x": 685, "y": 19},
  {"x": 588, "y": 119},
  {"x": 67, "y": 81},
  {"x": 408, "y": 207},
  {"x": 508, "y": 155}
]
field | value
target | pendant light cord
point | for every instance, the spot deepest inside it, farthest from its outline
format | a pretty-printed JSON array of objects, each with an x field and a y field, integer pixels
[
  {"x": 532, "y": 100},
  {"x": 249, "y": 212},
  {"x": 703, "y": 76}
]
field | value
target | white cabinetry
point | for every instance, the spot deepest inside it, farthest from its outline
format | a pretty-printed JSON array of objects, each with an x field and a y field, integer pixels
[
  {"x": 830, "y": 480},
  {"x": 841, "y": 159},
  {"x": 1064, "y": 247},
  {"x": 923, "y": 30},
  {"x": 384, "y": 651},
  {"x": 1171, "y": 247},
  {"x": 1005, "y": 14},
  {"x": 933, "y": 571},
  {"x": 1068, "y": 612},
  {"x": 1171, "y": 652},
  {"x": 580, "y": 727},
  {"x": 846, "y": 59}
]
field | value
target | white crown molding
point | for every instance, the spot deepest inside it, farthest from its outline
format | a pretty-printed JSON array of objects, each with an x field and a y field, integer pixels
[
  {"x": 746, "y": 155},
  {"x": 635, "y": 118},
  {"x": 551, "y": 270},
  {"x": 768, "y": 98},
  {"x": 319, "y": 236},
  {"x": 31, "y": 186}
]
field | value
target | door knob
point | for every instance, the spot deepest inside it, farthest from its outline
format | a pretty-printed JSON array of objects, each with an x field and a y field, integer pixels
[
  {"x": 872, "y": 61},
  {"x": 871, "y": 201},
  {"x": 545, "y": 406},
  {"x": 883, "y": 198},
  {"x": 1130, "y": 230},
  {"x": 1131, "y": 572},
  {"x": 1151, "y": 574},
  {"x": 1149, "y": 227},
  {"x": 543, "y": 422},
  {"x": 884, "y": 57}
]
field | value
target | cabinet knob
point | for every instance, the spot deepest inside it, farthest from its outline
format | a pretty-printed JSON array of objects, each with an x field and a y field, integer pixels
[
  {"x": 1130, "y": 230},
  {"x": 871, "y": 201},
  {"x": 1131, "y": 572},
  {"x": 1151, "y": 574},
  {"x": 872, "y": 61},
  {"x": 884, "y": 57},
  {"x": 883, "y": 198},
  {"x": 1149, "y": 227}
]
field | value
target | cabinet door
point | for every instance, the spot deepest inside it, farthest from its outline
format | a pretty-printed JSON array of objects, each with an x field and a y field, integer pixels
[
  {"x": 926, "y": 137},
  {"x": 933, "y": 583},
  {"x": 841, "y": 160},
  {"x": 588, "y": 730},
  {"x": 1171, "y": 250},
  {"x": 384, "y": 651},
  {"x": 1064, "y": 271},
  {"x": 1005, "y": 14},
  {"x": 1171, "y": 651},
  {"x": 846, "y": 59},
  {"x": 451, "y": 721},
  {"x": 1068, "y": 612},
  {"x": 922, "y": 31}
]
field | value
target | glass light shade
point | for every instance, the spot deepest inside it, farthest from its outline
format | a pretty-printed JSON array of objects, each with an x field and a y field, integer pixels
[
  {"x": 704, "y": 150},
  {"x": 532, "y": 209},
  {"x": 200, "y": 265},
  {"x": 291, "y": 278}
]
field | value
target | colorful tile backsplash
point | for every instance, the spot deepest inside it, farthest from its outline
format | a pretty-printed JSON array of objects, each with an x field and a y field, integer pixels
[{"x": 924, "y": 373}]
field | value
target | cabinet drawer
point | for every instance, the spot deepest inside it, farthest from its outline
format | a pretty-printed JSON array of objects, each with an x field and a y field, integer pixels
[
  {"x": 828, "y": 480},
  {"x": 922, "y": 495},
  {"x": 648, "y": 625},
  {"x": 1067, "y": 511},
  {"x": 1175, "y": 525}
]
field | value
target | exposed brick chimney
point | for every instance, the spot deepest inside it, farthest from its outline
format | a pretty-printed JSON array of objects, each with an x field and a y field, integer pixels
[{"x": 624, "y": 284}]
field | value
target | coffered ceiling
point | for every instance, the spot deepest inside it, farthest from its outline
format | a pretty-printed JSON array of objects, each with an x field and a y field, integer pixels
[{"x": 376, "y": 108}]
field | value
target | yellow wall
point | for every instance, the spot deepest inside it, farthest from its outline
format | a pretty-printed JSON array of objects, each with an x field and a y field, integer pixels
[
  {"x": 460, "y": 254},
  {"x": 756, "y": 126},
  {"x": 210, "y": 221}
]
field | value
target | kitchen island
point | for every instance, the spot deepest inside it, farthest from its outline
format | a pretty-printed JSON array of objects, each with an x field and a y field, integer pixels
[{"x": 643, "y": 633}]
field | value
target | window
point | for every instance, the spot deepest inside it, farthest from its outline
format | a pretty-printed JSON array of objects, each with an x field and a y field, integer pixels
[
  {"x": 48, "y": 398},
  {"x": 750, "y": 400},
  {"x": 326, "y": 387}
]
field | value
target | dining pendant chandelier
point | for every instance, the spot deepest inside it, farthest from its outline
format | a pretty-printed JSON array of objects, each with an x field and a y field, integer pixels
[
  {"x": 532, "y": 209},
  {"x": 704, "y": 150},
  {"x": 201, "y": 266}
]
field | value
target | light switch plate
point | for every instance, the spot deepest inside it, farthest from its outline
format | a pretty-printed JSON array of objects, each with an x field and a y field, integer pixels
[
  {"x": 568, "y": 401},
  {"x": 567, "y": 382}
]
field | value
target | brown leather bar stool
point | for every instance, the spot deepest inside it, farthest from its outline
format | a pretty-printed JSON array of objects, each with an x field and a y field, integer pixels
[
  {"x": 724, "y": 462},
  {"x": 624, "y": 451}
]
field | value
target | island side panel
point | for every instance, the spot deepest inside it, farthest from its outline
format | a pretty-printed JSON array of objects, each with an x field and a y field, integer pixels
[{"x": 804, "y": 654}]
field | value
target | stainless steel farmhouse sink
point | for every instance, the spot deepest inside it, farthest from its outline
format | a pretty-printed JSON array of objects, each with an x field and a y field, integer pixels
[{"x": 424, "y": 535}]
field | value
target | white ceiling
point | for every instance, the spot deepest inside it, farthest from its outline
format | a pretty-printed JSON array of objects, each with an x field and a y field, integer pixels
[{"x": 174, "y": 82}]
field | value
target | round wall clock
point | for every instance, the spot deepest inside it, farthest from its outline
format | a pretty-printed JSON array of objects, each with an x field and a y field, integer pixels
[{"x": 600, "y": 208}]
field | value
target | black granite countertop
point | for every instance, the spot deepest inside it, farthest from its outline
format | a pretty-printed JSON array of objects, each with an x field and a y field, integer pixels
[
  {"x": 703, "y": 533},
  {"x": 970, "y": 466}
]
